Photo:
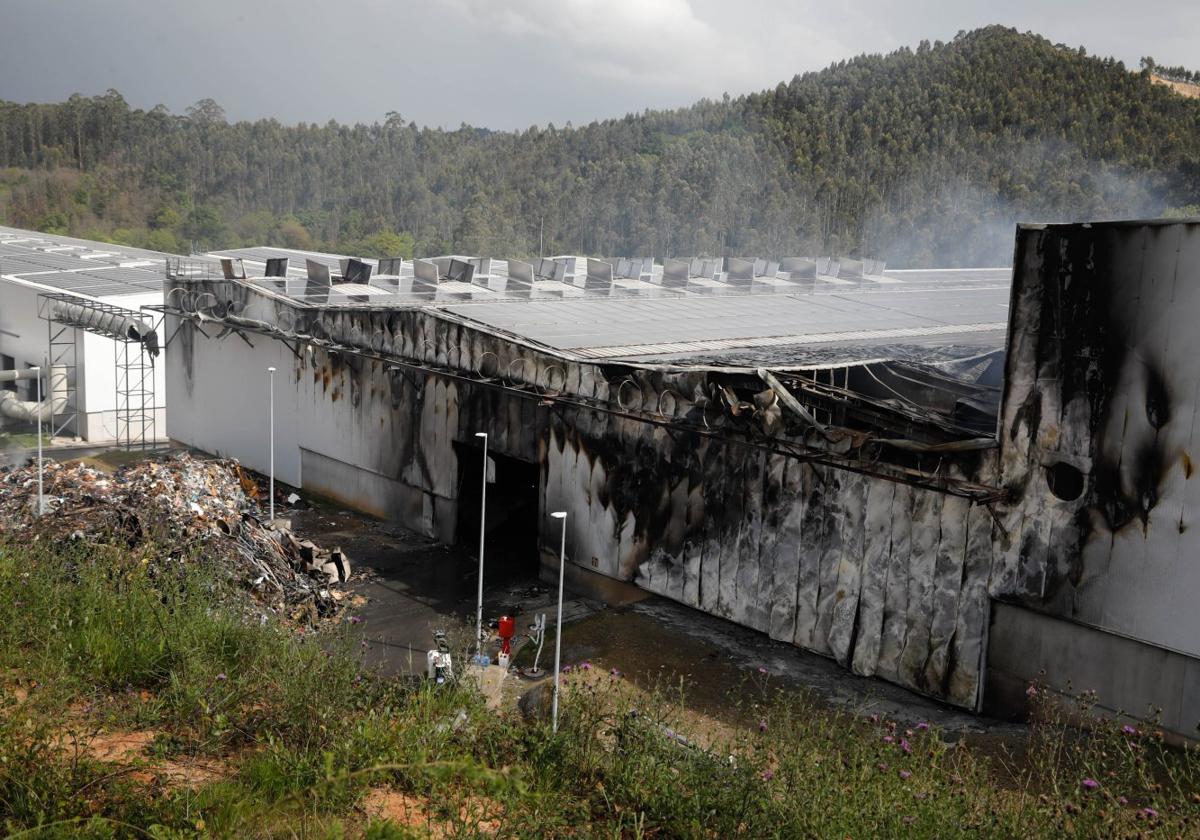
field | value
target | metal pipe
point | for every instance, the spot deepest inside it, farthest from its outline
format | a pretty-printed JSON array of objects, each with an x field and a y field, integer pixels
[
  {"x": 788, "y": 399},
  {"x": 86, "y": 317},
  {"x": 19, "y": 375},
  {"x": 41, "y": 501},
  {"x": 271, "y": 491},
  {"x": 27, "y": 411},
  {"x": 482, "y": 531},
  {"x": 562, "y": 565}
]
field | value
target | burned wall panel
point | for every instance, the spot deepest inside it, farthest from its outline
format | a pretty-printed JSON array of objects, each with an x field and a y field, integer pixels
[
  {"x": 881, "y": 500},
  {"x": 1102, "y": 380},
  {"x": 780, "y": 597},
  {"x": 843, "y": 605},
  {"x": 899, "y": 558}
]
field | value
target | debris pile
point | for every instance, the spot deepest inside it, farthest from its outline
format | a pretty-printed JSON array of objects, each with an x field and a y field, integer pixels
[{"x": 192, "y": 507}]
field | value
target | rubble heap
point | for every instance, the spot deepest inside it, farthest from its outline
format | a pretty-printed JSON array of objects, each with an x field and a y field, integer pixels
[{"x": 190, "y": 505}]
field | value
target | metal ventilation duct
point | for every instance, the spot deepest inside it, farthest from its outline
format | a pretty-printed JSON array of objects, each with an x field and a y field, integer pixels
[
  {"x": 27, "y": 411},
  {"x": 115, "y": 324}
]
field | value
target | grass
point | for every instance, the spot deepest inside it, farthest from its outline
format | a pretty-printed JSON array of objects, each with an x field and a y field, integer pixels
[
  {"x": 22, "y": 440},
  {"x": 97, "y": 640}
]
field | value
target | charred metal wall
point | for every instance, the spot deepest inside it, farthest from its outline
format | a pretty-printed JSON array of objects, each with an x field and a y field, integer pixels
[
  {"x": 1099, "y": 429},
  {"x": 671, "y": 482},
  {"x": 887, "y": 578}
]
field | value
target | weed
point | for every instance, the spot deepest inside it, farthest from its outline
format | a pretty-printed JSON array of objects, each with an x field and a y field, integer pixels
[{"x": 99, "y": 644}]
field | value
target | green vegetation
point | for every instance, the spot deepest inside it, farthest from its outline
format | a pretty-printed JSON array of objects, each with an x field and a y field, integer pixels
[
  {"x": 22, "y": 440},
  {"x": 138, "y": 704},
  {"x": 1177, "y": 73},
  {"x": 922, "y": 156}
]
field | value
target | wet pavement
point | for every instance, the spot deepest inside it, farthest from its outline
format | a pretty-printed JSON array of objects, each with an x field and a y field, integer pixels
[
  {"x": 659, "y": 642},
  {"x": 407, "y": 586}
]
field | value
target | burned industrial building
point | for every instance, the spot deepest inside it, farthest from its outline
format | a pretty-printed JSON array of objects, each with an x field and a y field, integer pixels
[{"x": 955, "y": 480}]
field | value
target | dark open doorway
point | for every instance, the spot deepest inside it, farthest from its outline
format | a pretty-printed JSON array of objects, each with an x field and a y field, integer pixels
[{"x": 511, "y": 544}]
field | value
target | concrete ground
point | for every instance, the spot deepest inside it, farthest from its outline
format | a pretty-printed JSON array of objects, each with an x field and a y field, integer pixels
[{"x": 407, "y": 586}]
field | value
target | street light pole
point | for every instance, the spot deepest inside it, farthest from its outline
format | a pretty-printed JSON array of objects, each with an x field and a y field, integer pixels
[
  {"x": 482, "y": 531},
  {"x": 271, "y": 490},
  {"x": 562, "y": 564},
  {"x": 41, "y": 503}
]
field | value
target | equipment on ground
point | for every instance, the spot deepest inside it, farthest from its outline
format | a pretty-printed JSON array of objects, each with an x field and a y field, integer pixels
[
  {"x": 439, "y": 666},
  {"x": 537, "y": 635},
  {"x": 506, "y": 630}
]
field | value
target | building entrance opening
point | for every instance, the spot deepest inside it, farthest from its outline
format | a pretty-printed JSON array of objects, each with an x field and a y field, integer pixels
[{"x": 511, "y": 542}]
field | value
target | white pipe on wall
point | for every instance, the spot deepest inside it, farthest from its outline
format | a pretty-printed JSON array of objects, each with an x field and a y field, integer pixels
[{"x": 30, "y": 411}]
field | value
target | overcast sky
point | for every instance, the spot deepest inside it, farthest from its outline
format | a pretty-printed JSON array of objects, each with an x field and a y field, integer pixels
[{"x": 506, "y": 63}]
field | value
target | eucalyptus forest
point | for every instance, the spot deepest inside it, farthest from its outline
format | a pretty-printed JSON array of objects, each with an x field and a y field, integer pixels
[{"x": 922, "y": 157}]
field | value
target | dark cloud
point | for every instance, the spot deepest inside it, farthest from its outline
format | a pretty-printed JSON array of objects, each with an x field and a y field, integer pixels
[{"x": 502, "y": 64}]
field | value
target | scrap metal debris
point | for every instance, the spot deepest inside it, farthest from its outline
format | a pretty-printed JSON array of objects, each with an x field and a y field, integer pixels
[{"x": 188, "y": 504}]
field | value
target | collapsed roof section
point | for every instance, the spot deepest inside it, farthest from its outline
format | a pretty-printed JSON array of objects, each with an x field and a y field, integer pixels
[
  {"x": 915, "y": 353},
  {"x": 906, "y": 367}
]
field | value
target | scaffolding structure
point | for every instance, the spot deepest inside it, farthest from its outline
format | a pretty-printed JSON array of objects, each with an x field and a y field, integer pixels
[
  {"x": 67, "y": 315},
  {"x": 64, "y": 363}
]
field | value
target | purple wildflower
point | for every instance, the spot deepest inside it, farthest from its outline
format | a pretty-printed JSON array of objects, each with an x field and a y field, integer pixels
[
  {"x": 874, "y": 718},
  {"x": 904, "y": 774},
  {"x": 587, "y": 666},
  {"x": 887, "y": 739},
  {"x": 1122, "y": 800},
  {"x": 904, "y": 745},
  {"x": 221, "y": 678},
  {"x": 1149, "y": 813},
  {"x": 883, "y": 765},
  {"x": 762, "y": 670},
  {"x": 768, "y": 775},
  {"x": 1031, "y": 691},
  {"x": 1129, "y": 730},
  {"x": 922, "y": 726},
  {"x": 762, "y": 726},
  {"x": 356, "y": 619},
  {"x": 1090, "y": 784},
  {"x": 566, "y": 669}
]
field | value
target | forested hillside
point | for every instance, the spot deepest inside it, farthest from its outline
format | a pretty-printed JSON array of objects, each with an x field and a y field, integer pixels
[{"x": 922, "y": 157}]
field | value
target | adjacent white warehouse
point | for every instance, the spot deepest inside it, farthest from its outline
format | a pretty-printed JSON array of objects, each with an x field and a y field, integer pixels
[{"x": 61, "y": 299}]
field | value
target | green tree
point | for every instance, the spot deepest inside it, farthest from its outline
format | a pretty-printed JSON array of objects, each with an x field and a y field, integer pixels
[{"x": 204, "y": 226}]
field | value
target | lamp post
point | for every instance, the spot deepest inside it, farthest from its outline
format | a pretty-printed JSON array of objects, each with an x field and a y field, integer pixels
[
  {"x": 41, "y": 502},
  {"x": 562, "y": 563},
  {"x": 271, "y": 490},
  {"x": 482, "y": 531}
]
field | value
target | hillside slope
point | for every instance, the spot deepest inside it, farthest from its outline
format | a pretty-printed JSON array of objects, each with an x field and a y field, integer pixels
[{"x": 923, "y": 157}]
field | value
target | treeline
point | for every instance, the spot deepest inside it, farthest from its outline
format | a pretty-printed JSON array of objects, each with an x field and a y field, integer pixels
[
  {"x": 1177, "y": 73},
  {"x": 922, "y": 157}
]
